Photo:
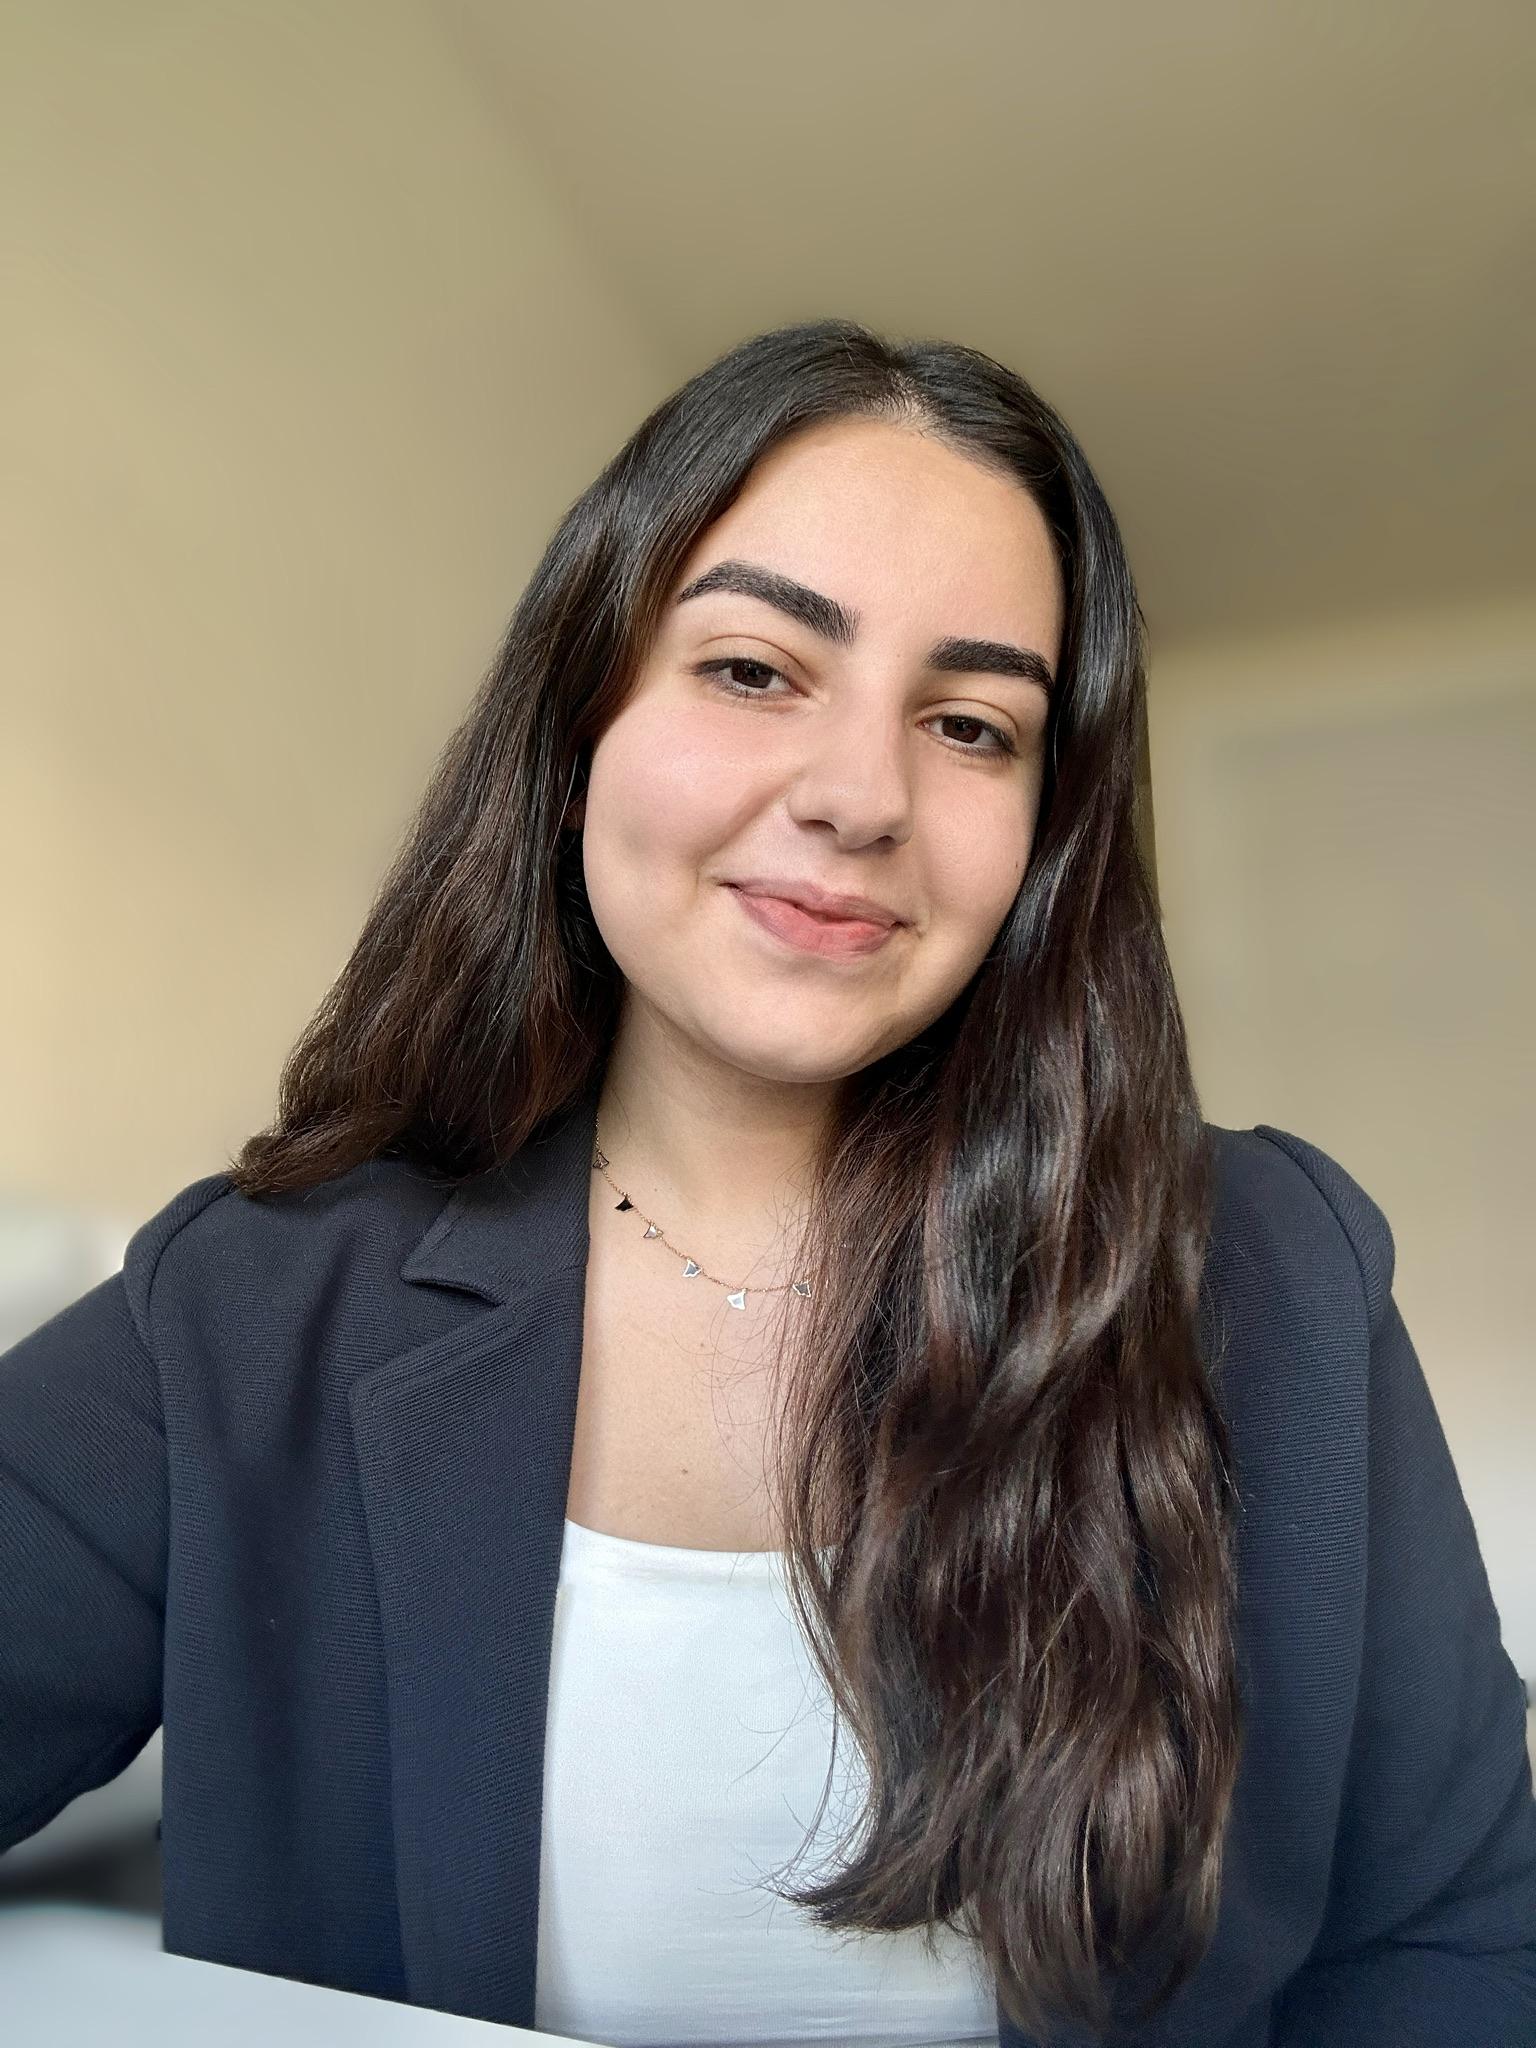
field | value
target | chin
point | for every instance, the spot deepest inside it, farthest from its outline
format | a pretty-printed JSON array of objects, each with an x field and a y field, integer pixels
[{"x": 787, "y": 1053}]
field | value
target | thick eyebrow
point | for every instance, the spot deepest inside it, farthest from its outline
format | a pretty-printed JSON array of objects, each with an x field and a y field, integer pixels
[{"x": 837, "y": 623}]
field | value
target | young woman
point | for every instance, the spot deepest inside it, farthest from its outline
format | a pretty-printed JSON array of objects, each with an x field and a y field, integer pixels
[{"x": 740, "y": 1464}]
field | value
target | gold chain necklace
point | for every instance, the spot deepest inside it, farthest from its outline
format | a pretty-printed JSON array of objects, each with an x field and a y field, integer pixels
[{"x": 692, "y": 1270}]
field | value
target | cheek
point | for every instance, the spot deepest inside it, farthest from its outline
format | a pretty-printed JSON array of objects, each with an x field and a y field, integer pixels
[
  {"x": 657, "y": 811},
  {"x": 978, "y": 860}
]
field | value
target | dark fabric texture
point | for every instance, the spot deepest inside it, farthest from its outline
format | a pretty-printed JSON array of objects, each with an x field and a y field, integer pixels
[{"x": 292, "y": 1485}]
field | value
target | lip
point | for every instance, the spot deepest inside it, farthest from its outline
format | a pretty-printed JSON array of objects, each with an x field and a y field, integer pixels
[
  {"x": 829, "y": 938},
  {"x": 825, "y": 903}
]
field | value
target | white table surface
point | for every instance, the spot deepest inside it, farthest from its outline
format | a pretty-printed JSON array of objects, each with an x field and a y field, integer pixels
[{"x": 89, "y": 1977}]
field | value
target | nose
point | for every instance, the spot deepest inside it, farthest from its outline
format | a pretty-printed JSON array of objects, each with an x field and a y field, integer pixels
[{"x": 856, "y": 778}]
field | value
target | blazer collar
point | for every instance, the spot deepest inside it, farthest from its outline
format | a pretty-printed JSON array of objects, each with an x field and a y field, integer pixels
[{"x": 501, "y": 1232}]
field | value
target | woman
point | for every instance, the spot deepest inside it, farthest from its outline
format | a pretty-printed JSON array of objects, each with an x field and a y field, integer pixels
[{"x": 739, "y": 1351}]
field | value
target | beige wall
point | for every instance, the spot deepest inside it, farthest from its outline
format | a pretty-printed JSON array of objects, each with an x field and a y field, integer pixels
[
  {"x": 300, "y": 365},
  {"x": 1346, "y": 846},
  {"x": 302, "y": 360}
]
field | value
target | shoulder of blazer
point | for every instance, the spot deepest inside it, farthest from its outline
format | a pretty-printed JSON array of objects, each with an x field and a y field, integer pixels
[
  {"x": 1306, "y": 1191},
  {"x": 209, "y": 1233}
]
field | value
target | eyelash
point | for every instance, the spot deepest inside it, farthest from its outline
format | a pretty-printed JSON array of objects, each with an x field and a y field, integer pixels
[{"x": 714, "y": 670}]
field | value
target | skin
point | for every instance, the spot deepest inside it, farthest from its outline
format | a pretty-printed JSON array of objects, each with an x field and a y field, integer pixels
[{"x": 855, "y": 766}]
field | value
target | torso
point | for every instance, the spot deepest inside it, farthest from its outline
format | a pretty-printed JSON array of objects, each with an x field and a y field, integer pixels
[{"x": 673, "y": 1405}]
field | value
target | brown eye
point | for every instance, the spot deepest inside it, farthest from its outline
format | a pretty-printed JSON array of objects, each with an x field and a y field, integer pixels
[
  {"x": 1004, "y": 742},
  {"x": 719, "y": 671}
]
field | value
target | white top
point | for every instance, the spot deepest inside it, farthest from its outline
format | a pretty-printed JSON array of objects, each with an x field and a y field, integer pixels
[{"x": 687, "y": 1750}]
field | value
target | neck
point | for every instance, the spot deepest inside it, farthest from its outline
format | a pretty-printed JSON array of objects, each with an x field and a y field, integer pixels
[{"x": 713, "y": 1154}]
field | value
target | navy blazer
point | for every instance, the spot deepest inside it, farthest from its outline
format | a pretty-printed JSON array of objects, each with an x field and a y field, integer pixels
[{"x": 293, "y": 1484}]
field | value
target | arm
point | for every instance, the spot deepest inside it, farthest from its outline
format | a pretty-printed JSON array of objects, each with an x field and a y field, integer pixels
[
  {"x": 1430, "y": 1932},
  {"x": 83, "y": 1538}
]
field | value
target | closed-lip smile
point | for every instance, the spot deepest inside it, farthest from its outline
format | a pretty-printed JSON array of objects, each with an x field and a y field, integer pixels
[{"x": 821, "y": 902}]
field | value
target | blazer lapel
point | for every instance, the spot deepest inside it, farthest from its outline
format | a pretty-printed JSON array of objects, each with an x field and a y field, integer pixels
[{"x": 463, "y": 1448}]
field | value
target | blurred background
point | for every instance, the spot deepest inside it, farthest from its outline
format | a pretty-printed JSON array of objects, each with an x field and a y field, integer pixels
[{"x": 319, "y": 315}]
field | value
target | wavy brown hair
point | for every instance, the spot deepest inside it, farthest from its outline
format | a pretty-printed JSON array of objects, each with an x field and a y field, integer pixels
[{"x": 1002, "y": 1479}]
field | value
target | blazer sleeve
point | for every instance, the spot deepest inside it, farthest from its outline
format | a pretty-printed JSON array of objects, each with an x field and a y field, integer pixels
[
  {"x": 1429, "y": 1935},
  {"x": 83, "y": 1538}
]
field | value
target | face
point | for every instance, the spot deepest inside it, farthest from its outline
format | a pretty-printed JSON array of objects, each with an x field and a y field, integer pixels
[{"x": 816, "y": 730}]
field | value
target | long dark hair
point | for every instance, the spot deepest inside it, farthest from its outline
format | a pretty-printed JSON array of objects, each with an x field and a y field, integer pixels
[{"x": 999, "y": 1409}]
